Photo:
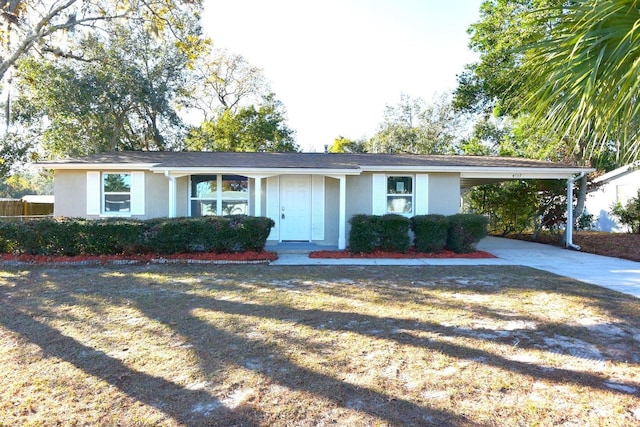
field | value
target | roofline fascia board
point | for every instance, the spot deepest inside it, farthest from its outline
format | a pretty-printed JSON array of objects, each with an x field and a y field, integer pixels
[
  {"x": 255, "y": 171},
  {"x": 96, "y": 166},
  {"x": 621, "y": 171},
  {"x": 523, "y": 173},
  {"x": 483, "y": 172}
]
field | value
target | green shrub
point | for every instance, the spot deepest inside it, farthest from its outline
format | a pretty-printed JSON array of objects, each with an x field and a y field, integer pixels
[
  {"x": 251, "y": 232},
  {"x": 178, "y": 235},
  {"x": 363, "y": 236},
  {"x": 629, "y": 214},
  {"x": 9, "y": 238},
  {"x": 393, "y": 231},
  {"x": 72, "y": 236},
  {"x": 430, "y": 232},
  {"x": 465, "y": 231},
  {"x": 108, "y": 236}
]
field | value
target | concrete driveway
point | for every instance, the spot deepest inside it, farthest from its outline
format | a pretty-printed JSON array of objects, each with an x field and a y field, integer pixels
[{"x": 613, "y": 273}]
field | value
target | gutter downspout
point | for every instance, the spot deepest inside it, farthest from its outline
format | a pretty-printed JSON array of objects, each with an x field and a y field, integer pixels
[
  {"x": 569, "y": 231},
  {"x": 172, "y": 194}
]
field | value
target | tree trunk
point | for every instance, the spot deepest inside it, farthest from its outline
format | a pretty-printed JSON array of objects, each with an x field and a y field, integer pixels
[{"x": 580, "y": 200}]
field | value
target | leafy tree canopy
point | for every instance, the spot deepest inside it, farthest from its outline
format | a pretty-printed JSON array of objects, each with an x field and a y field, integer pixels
[
  {"x": 412, "y": 126},
  {"x": 120, "y": 96},
  {"x": 346, "y": 145},
  {"x": 20, "y": 184},
  {"x": 49, "y": 25},
  {"x": 261, "y": 128}
]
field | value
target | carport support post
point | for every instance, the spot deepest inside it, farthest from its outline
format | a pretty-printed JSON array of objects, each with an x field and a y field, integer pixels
[{"x": 569, "y": 229}]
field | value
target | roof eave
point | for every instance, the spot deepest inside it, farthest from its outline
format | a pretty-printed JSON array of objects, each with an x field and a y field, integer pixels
[
  {"x": 504, "y": 172},
  {"x": 255, "y": 171},
  {"x": 523, "y": 173},
  {"x": 93, "y": 166},
  {"x": 616, "y": 173}
]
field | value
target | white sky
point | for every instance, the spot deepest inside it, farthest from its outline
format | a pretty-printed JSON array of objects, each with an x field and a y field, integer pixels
[{"x": 335, "y": 64}]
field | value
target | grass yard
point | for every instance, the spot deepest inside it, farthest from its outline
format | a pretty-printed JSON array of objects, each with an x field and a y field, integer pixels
[{"x": 314, "y": 346}]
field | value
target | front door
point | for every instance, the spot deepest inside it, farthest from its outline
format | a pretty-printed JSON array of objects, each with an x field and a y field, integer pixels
[{"x": 295, "y": 208}]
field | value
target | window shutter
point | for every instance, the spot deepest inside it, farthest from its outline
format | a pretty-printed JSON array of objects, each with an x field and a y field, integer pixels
[
  {"x": 137, "y": 193},
  {"x": 421, "y": 194},
  {"x": 273, "y": 205},
  {"x": 379, "y": 196},
  {"x": 94, "y": 192}
]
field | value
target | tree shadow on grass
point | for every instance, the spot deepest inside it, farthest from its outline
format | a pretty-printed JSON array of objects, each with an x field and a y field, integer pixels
[
  {"x": 177, "y": 401},
  {"x": 170, "y": 398},
  {"x": 176, "y": 309},
  {"x": 388, "y": 328}
]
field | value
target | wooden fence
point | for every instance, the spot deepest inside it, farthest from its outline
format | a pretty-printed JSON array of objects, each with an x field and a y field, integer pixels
[{"x": 19, "y": 208}]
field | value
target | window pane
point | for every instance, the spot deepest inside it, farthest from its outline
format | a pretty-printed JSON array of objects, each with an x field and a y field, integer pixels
[
  {"x": 399, "y": 185},
  {"x": 235, "y": 185},
  {"x": 399, "y": 204},
  {"x": 117, "y": 202},
  {"x": 235, "y": 207},
  {"x": 117, "y": 182},
  {"x": 204, "y": 186},
  {"x": 204, "y": 208}
]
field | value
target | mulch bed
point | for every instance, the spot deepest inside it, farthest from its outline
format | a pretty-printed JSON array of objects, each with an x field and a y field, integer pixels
[
  {"x": 619, "y": 245},
  {"x": 186, "y": 258},
  {"x": 411, "y": 254}
]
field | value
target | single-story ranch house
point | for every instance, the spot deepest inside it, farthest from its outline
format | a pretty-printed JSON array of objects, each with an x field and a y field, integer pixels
[{"x": 310, "y": 196}]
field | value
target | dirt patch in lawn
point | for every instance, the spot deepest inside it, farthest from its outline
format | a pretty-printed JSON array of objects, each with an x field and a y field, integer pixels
[
  {"x": 619, "y": 245},
  {"x": 254, "y": 345}
]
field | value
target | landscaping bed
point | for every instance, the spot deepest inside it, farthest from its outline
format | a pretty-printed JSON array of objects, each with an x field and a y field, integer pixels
[
  {"x": 248, "y": 257},
  {"x": 410, "y": 254},
  {"x": 619, "y": 245}
]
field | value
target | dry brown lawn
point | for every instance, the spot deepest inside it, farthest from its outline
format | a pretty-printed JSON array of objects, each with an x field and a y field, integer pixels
[{"x": 314, "y": 346}]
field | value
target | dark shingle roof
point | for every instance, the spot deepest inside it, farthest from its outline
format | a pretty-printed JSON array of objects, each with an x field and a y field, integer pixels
[{"x": 165, "y": 159}]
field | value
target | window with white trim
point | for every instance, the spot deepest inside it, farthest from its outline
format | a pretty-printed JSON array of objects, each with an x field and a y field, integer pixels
[
  {"x": 231, "y": 197},
  {"x": 116, "y": 193},
  {"x": 400, "y": 195}
]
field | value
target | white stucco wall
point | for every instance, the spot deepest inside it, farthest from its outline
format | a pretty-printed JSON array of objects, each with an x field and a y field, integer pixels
[{"x": 600, "y": 201}]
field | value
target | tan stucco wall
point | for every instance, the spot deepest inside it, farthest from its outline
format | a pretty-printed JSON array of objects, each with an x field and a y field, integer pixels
[
  {"x": 70, "y": 190},
  {"x": 182, "y": 196},
  {"x": 359, "y": 197},
  {"x": 444, "y": 193},
  {"x": 156, "y": 194},
  {"x": 444, "y": 197},
  {"x": 359, "y": 193},
  {"x": 332, "y": 211}
]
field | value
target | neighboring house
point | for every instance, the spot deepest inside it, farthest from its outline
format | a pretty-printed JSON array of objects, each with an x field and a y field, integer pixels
[
  {"x": 617, "y": 186},
  {"x": 310, "y": 196}
]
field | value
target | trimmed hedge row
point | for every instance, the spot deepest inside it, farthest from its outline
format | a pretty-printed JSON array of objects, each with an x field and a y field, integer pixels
[
  {"x": 371, "y": 232},
  {"x": 433, "y": 233},
  {"x": 78, "y": 236}
]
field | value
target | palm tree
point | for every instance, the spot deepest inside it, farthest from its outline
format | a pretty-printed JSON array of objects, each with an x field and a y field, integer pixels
[{"x": 586, "y": 76}]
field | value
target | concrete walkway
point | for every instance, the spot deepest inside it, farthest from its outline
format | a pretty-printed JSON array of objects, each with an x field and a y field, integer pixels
[{"x": 613, "y": 273}]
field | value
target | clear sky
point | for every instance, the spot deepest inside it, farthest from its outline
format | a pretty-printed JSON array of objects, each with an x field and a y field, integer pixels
[{"x": 335, "y": 64}]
